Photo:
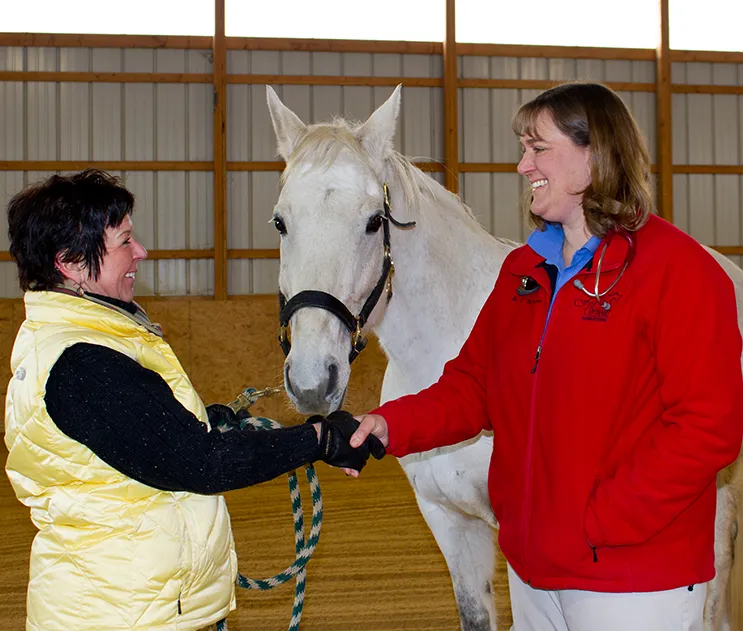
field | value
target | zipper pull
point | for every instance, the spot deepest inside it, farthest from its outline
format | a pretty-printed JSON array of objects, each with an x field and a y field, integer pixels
[
  {"x": 180, "y": 611},
  {"x": 595, "y": 556},
  {"x": 536, "y": 359}
]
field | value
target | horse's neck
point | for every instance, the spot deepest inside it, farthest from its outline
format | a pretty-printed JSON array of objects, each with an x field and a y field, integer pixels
[{"x": 445, "y": 268}]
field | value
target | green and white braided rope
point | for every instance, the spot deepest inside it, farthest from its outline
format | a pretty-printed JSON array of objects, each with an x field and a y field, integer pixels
[{"x": 303, "y": 547}]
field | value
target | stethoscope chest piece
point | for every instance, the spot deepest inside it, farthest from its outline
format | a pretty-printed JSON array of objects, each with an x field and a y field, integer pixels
[{"x": 597, "y": 294}]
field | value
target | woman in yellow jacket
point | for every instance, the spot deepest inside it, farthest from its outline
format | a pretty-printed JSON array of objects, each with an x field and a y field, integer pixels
[{"x": 109, "y": 444}]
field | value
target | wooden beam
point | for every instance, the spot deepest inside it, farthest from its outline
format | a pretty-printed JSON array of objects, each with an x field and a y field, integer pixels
[
  {"x": 104, "y": 165},
  {"x": 159, "y": 255},
  {"x": 69, "y": 40},
  {"x": 220, "y": 153},
  {"x": 451, "y": 106},
  {"x": 716, "y": 169},
  {"x": 274, "y": 79},
  {"x": 706, "y": 89},
  {"x": 663, "y": 118},
  {"x": 278, "y": 165},
  {"x": 487, "y": 167},
  {"x": 430, "y": 167},
  {"x": 728, "y": 250},
  {"x": 559, "y": 52},
  {"x": 545, "y": 84},
  {"x": 707, "y": 56},
  {"x": 104, "y": 77},
  {"x": 333, "y": 45},
  {"x": 253, "y": 253}
]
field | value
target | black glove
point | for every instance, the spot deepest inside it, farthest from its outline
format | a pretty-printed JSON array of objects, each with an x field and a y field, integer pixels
[
  {"x": 222, "y": 417},
  {"x": 336, "y": 431}
]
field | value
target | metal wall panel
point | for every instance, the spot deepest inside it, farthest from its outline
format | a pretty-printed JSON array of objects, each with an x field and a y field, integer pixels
[
  {"x": 78, "y": 121},
  {"x": 708, "y": 130},
  {"x": 41, "y": 107},
  {"x": 10, "y": 183},
  {"x": 12, "y": 106}
]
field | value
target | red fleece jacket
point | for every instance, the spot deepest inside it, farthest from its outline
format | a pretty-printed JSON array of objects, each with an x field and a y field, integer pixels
[{"x": 606, "y": 450}]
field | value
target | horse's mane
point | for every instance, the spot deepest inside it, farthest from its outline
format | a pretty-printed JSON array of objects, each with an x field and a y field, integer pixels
[{"x": 322, "y": 143}]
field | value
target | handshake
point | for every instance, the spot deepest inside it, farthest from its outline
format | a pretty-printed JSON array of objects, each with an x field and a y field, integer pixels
[{"x": 336, "y": 430}]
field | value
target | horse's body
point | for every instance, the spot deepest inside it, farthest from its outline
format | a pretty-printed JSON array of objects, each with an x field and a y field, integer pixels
[{"x": 445, "y": 268}]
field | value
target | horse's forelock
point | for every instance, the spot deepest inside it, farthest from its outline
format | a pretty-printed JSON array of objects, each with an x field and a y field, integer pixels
[{"x": 322, "y": 143}]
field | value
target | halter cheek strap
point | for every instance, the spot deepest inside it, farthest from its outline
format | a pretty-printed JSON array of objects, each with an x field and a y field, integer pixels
[{"x": 324, "y": 300}]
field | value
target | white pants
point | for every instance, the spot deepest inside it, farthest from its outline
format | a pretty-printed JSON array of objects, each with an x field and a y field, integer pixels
[{"x": 576, "y": 610}]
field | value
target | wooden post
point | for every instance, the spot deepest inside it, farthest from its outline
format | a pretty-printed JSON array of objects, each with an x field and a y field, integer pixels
[
  {"x": 451, "y": 114},
  {"x": 220, "y": 153},
  {"x": 663, "y": 118}
]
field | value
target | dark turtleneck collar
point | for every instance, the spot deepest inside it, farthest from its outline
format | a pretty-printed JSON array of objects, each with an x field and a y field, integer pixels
[{"x": 130, "y": 307}]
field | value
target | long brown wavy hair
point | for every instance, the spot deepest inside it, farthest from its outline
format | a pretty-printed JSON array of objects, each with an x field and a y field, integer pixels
[{"x": 592, "y": 115}]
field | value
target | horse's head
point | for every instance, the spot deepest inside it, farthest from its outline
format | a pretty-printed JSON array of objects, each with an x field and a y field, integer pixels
[{"x": 331, "y": 216}]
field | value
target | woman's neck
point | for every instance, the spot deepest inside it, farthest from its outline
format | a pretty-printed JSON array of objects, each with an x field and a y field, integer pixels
[{"x": 576, "y": 236}]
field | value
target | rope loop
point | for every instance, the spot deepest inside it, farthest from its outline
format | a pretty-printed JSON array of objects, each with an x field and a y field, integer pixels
[{"x": 303, "y": 547}]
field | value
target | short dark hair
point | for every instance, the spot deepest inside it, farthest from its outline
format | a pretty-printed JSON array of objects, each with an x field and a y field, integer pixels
[{"x": 67, "y": 215}]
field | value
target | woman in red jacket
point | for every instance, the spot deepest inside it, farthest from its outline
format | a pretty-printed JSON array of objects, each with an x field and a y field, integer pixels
[{"x": 606, "y": 362}]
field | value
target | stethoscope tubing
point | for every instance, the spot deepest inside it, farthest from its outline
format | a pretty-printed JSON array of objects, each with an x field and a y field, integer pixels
[{"x": 596, "y": 294}]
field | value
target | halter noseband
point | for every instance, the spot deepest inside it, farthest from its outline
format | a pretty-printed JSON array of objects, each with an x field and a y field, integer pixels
[{"x": 324, "y": 300}]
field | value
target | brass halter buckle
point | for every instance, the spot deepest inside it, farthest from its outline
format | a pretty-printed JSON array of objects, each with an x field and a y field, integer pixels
[{"x": 357, "y": 338}]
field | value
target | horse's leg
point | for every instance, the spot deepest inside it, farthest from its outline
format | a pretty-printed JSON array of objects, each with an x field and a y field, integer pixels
[
  {"x": 716, "y": 609},
  {"x": 468, "y": 545}
]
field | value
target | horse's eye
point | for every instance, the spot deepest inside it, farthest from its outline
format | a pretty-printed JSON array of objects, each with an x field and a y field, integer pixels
[
  {"x": 375, "y": 223},
  {"x": 280, "y": 226}
]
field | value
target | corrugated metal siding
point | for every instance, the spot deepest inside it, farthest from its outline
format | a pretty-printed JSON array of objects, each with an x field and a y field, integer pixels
[
  {"x": 78, "y": 121},
  {"x": 131, "y": 121},
  {"x": 708, "y": 130}
]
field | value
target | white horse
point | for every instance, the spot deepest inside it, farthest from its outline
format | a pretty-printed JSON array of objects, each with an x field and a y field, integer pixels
[{"x": 332, "y": 217}]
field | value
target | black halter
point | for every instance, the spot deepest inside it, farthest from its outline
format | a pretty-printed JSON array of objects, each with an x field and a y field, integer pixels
[{"x": 323, "y": 300}]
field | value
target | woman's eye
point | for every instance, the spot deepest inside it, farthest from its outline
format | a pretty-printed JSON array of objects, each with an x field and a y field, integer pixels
[
  {"x": 375, "y": 223},
  {"x": 278, "y": 222}
]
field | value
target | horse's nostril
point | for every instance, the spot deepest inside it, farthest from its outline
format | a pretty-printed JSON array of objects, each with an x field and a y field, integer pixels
[
  {"x": 287, "y": 380},
  {"x": 332, "y": 379}
]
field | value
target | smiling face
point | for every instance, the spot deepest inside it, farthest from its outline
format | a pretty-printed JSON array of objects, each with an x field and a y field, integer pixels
[
  {"x": 558, "y": 171},
  {"x": 118, "y": 265}
]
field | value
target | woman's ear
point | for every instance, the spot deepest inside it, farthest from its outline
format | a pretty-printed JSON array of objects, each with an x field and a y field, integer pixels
[{"x": 72, "y": 270}]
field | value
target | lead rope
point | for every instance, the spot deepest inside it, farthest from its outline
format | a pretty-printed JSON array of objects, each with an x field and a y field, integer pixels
[{"x": 302, "y": 548}]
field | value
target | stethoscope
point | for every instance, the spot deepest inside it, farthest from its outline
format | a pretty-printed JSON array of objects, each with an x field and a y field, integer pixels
[{"x": 598, "y": 295}]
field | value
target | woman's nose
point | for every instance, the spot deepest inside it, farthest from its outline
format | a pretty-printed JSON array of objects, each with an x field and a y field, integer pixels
[
  {"x": 140, "y": 251},
  {"x": 525, "y": 165}
]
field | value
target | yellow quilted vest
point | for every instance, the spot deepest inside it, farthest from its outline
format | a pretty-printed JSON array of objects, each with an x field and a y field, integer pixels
[{"x": 111, "y": 553}]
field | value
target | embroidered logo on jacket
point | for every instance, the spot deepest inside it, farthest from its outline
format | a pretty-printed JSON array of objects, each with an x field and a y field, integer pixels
[{"x": 593, "y": 309}]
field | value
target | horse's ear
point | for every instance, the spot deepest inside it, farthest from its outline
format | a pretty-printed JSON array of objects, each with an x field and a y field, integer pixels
[
  {"x": 286, "y": 124},
  {"x": 377, "y": 133}
]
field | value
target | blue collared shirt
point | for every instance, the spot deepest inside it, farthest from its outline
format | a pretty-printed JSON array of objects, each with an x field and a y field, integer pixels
[{"x": 548, "y": 243}]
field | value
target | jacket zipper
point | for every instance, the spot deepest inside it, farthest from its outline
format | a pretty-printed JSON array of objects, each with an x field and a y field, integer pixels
[
  {"x": 537, "y": 356},
  {"x": 530, "y": 442}
]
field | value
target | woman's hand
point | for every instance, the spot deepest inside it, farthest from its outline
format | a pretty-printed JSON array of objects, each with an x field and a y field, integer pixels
[
  {"x": 334, "y": 438},
  {"x": 369, "y": 424}
]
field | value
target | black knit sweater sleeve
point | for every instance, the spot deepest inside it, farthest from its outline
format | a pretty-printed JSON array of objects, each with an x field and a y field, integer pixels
[{"x": 128, "y": 416}]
